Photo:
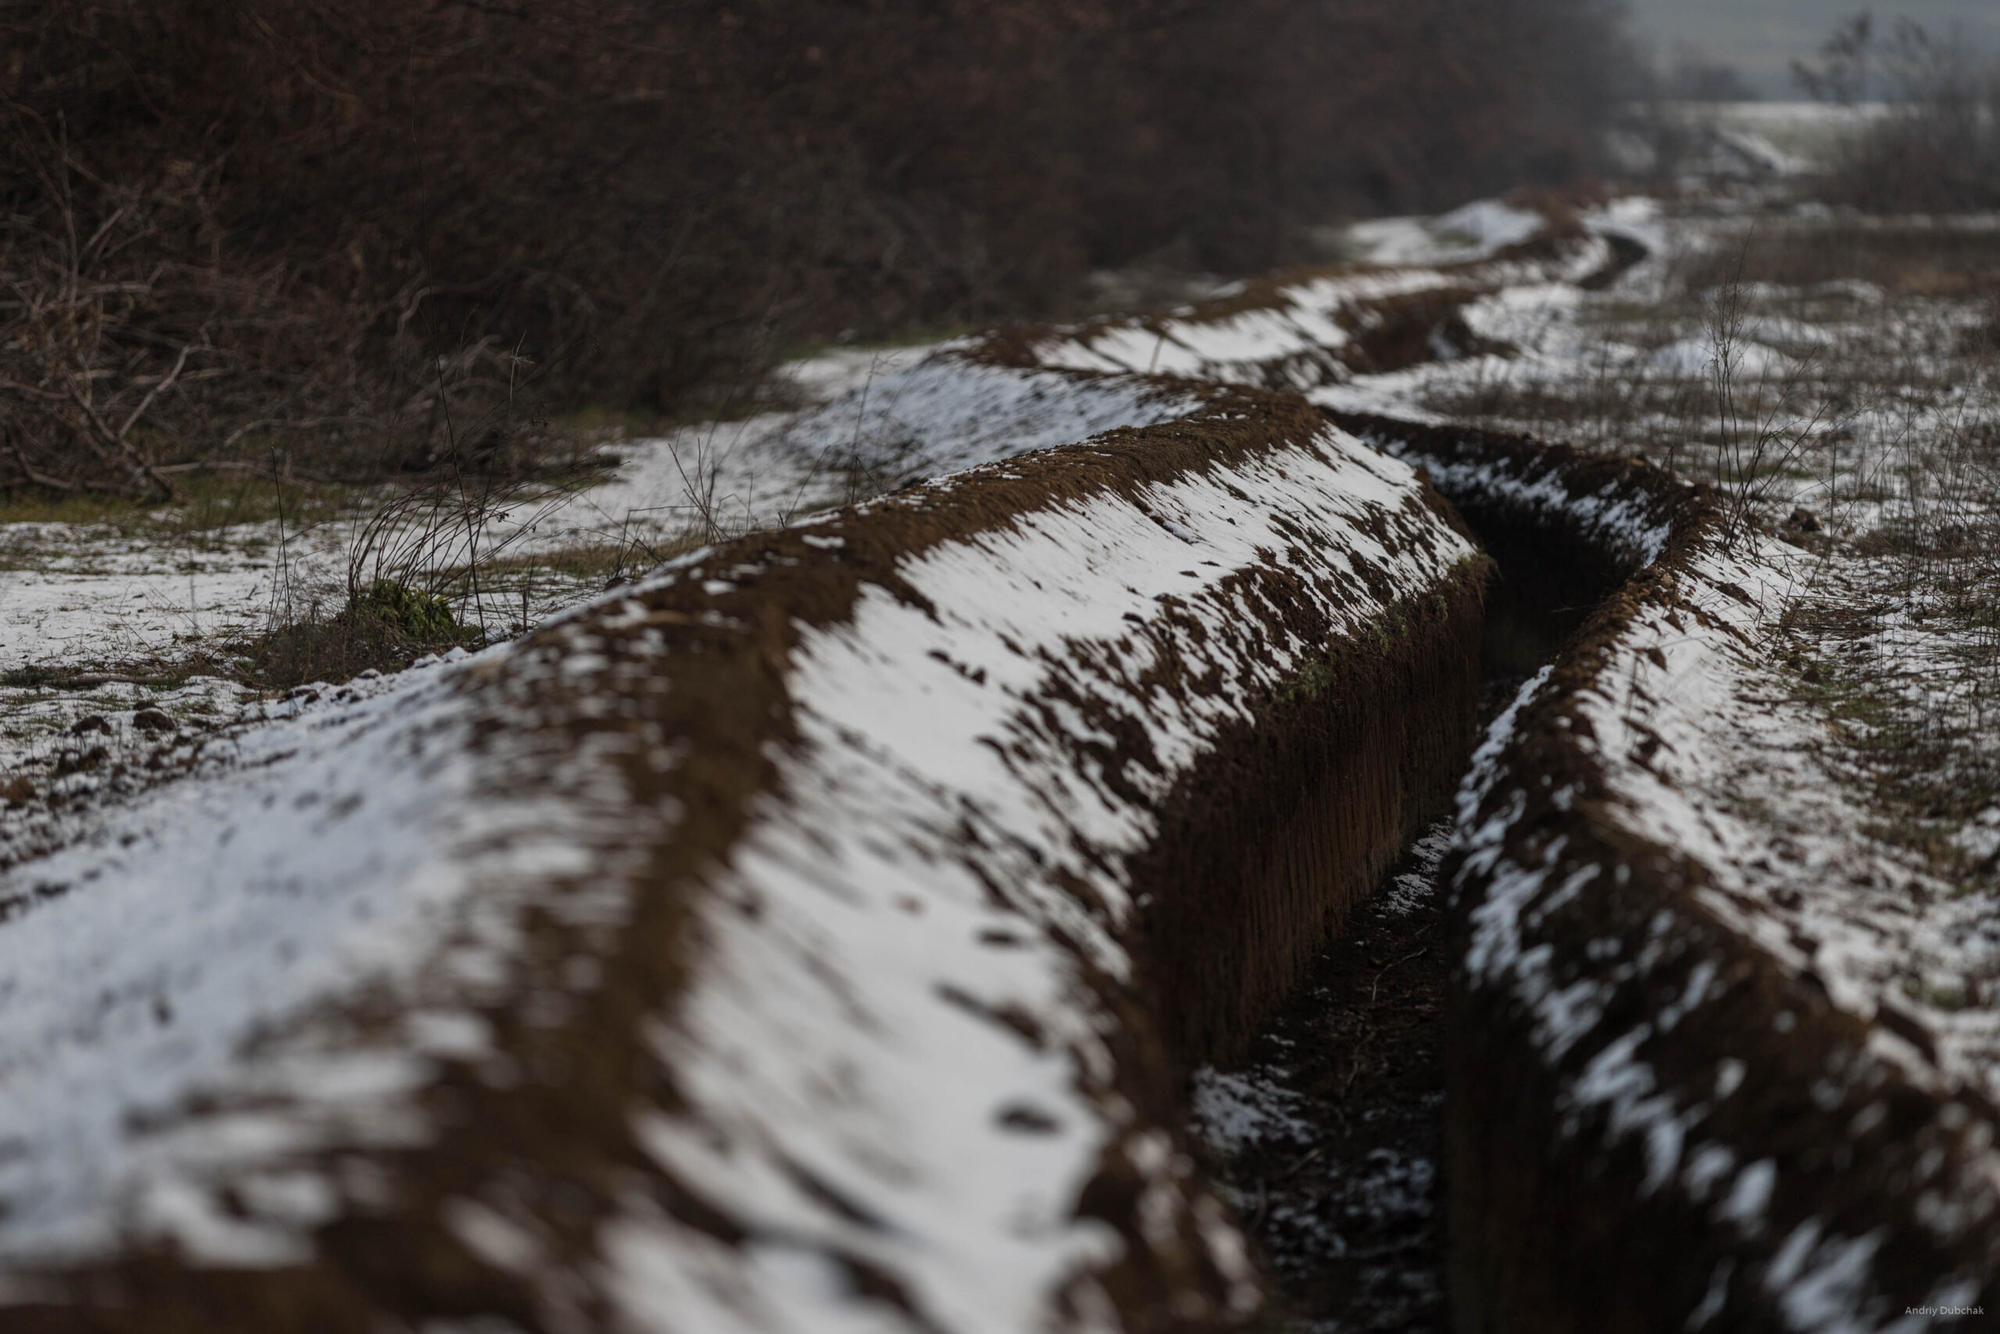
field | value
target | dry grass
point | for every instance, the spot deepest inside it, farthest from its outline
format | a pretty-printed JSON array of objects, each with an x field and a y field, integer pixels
[{"x": 1905, "y": 256}]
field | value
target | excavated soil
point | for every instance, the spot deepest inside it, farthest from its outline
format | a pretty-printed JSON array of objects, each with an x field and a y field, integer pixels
[
  {"x": 1316, "y": 794},
  {"x": 1870, "y": 1192},
  {"x": 1351, "y": 1210},
  {"x": 1388, "y": 332},
  {"x": 1413, "y": 1100}
]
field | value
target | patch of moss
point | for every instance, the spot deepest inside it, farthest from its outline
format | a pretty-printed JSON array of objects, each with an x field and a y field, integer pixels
[{"x": 208, "y": 502}]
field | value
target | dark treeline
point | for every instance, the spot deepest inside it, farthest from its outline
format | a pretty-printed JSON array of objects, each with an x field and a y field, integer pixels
[
  {"x": 353, "y": 216},
  {"x": 1938, "y": 148}
]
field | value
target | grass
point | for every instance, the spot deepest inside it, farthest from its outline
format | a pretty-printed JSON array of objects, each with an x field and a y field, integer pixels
[
  {"x": 420, "y": 576},
  {"x": 610, "y": 560},
  {"x": 924, "y": 336},
  {"x": 153, "y": 678},
  {"x": 208, "y": 504},
  {"x": 1929, "y": 772},
  {"x": 384, "y": 627},
  {"x": 601, "y": 422},
  {"x": 430, "y": 564},
  {"x": 1904, "y": 257}
]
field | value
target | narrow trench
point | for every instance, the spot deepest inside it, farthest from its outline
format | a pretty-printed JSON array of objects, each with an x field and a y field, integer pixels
[{"x": 1330, "y": 1135}]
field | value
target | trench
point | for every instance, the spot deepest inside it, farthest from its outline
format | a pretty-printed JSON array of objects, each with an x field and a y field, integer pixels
[{"x": 1329, "y": 1135}]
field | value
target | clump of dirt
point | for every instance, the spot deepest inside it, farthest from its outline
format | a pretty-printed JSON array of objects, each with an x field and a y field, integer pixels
[{"x": 384, "y": 626}]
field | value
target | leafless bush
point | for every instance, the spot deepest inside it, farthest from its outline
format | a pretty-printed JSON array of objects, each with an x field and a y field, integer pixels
[
  {"x": 134, "y": 348},
  {"x": 422, "y": 569},
  {"x": 1924, "y": 257},
  {"x": 231, "y": 224},
  {"x": 1840, "y": 74}
]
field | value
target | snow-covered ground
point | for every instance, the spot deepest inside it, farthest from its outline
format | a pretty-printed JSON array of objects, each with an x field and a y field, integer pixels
[
  {"x": 1471, "y": 232},
  {"x": 1301, "y": 333},
  {"x": 323, "y": 846},
  {"x": 1810, "y": 134},
  {"x": 866, "y": 913},
  {"x": 1761, "y": 741},
  {"x": 185, "y": 947},
  {"x": 216, "y": 982},
  {"x": 1704, "y": 144},
  {"x": 1864, "y": 397},
  {"x": 97, "y": 624},
  {"x": 82, "y": 596},
  {"x": 1708, "y": 761}
]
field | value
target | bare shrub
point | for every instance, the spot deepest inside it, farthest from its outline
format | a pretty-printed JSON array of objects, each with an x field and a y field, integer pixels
[
  {"x": 1905, "y": 256},
  {"x": 134, "y": 346},
  {"x": 229, "y": 224}
]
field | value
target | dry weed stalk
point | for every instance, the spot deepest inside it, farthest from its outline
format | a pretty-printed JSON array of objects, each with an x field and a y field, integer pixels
[{"x": 1753, "y": 453}]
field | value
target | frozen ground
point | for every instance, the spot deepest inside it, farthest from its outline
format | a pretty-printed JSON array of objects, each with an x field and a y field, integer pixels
[
  {"x": 133, "y": 964},
  {"x": 92, "y": 595},
  {"x": 236, "y": 932},
  {"x": 936, "y": 694},
  {"x": 1709, "y": 754},
  {"x": 273, "y": 957},
  {"x": 1474, "y": 231},
  {"x": 1852, "y": 414},
  {"x": 1707, "y": 143},
  {"x": 98, "y": 624},
  {"x": 1305, "y": 331}
]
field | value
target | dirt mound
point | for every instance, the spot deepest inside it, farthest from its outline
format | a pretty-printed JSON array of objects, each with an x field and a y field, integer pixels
[
  {"x": 1660, "y": 1113},
  {"x": 918, "y": 844},
  {"x": 1310, "y": 327}
]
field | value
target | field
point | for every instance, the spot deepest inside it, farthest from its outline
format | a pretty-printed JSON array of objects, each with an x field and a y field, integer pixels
[{"x": 969, "y": 842}]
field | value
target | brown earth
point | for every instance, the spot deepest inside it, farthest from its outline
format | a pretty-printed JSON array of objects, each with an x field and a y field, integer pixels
[
  {"x": 1319, "y": 791},
  {"x": 1389, "y": 333},
  {"x": 1552, "y": 1226}
]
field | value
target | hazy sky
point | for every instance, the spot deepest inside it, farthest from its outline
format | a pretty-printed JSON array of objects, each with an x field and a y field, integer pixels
[{"x": 1762, "y": 37}]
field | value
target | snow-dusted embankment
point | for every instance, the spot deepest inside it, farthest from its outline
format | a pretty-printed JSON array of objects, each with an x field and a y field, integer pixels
[
  {"x": 1312, "y": 327},
  {"x": 1674, "y": 1101},
  {"x": 776, "y": 945}
]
